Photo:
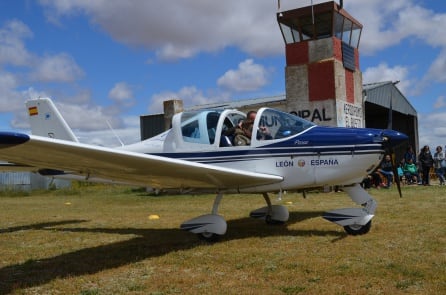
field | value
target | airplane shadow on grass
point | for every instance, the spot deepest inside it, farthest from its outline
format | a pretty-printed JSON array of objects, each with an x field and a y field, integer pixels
[{"x": 148, "y": 243}]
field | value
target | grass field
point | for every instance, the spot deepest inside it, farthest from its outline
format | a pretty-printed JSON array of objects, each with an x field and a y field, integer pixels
[{"x": 100, "y": 240}]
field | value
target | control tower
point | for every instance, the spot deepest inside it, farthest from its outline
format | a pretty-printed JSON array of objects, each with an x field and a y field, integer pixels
[{"x": 322, "y": 75}]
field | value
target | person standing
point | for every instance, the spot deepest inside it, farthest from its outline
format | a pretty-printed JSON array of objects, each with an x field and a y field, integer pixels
[
  {"x": 439, "y": 161},
  {"x": 426, "y": 161}
]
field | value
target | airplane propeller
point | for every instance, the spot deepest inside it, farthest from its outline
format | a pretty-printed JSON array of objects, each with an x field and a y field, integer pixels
[
  {"x": 396, "y": 175},
  {"x": 388, "y": 147}
]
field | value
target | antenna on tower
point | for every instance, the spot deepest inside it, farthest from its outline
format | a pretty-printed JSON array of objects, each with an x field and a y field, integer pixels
[{"x": 312, "y": 12}]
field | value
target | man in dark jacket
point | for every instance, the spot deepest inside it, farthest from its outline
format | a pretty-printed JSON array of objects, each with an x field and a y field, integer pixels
[{"x": 426, "y": 161}]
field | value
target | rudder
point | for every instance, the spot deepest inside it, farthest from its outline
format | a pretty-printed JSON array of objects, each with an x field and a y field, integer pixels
[{"x": 46, "y": 120}]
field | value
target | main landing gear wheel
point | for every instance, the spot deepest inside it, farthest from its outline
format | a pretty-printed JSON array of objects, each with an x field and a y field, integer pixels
[{"x": 356, "y": 229}]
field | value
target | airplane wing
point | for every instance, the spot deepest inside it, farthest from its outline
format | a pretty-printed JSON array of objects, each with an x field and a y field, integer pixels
[{"x": 122, "y": 166}]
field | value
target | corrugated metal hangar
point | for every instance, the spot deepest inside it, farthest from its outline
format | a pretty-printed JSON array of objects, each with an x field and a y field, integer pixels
[{"x": 386, "y": 107}]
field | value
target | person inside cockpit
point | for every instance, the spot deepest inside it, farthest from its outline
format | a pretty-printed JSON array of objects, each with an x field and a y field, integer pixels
[
  {"x": 250, "y": 116},
  {"x": 243, "y": 133}
]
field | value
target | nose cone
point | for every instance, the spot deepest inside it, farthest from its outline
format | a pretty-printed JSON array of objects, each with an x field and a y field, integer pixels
[{"x": 394, "y": 138}]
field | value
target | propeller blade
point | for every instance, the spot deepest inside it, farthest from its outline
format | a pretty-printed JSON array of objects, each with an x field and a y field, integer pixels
[
  {"x": 390, "y": 119},
  {"x": 395, "y": 173},
  {"x": 391, "y": 139}
]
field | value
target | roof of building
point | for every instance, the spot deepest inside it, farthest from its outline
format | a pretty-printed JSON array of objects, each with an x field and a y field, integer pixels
[
  {"x": 377, "y": 93},
  {"x": 382, "y": 93},
  {"x": 235, "y": 104},
  {"x": 376, "y": 96}
]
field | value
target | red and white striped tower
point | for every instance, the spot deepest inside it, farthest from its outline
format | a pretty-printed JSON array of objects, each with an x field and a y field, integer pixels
[{"x": 322, "y": 75}]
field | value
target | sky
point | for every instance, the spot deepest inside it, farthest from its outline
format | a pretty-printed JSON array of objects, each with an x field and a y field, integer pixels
[{"x": 112, "y": 61}]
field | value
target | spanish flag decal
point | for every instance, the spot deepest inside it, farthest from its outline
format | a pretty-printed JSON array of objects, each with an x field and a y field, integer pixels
[{"x": 33, "y": 111}]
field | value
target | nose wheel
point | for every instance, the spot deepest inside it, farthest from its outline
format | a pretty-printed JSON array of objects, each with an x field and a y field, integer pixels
[{"x": 357, "y": 229}]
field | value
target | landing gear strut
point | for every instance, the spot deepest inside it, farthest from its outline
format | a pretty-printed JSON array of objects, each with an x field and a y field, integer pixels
[
  {"x": 356, "y": 221},
  {"x": 209, "y": 227},
  {"x": 272, "y": 214}
]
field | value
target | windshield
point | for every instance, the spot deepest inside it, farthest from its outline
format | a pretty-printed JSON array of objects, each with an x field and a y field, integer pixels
[
  {"x": 274, "y": 124},
  {"x": 199, "y": 127}
]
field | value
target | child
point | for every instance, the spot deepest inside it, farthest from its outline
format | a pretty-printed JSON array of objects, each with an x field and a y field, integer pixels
[{"x": 411, "y": 172}]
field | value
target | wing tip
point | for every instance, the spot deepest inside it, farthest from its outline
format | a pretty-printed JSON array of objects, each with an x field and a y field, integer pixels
[{"x": 12, "y": 138}]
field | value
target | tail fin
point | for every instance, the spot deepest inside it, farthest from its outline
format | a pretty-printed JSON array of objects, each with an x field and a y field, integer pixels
[{"x": 46, "y": 120}]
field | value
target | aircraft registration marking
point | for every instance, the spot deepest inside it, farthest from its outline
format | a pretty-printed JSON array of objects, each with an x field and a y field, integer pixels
[
  {"x": 284, "y": 163},
  {"x": 324, "y": 162}
]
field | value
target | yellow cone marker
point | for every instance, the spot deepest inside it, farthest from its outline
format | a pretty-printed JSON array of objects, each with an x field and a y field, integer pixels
[{"x": 154, "y": 217}]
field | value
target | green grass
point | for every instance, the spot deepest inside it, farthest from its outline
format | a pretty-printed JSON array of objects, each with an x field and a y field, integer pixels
[{"x": 100, "y": 240}]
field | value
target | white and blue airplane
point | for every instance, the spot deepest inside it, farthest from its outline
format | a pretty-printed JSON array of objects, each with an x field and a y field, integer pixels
[{"x": 195, "y": 156}]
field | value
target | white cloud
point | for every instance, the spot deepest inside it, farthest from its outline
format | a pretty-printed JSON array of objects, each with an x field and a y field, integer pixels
[
  {"x": 171, "y": 52},
  {"x": 437, "y": 70},
  {"x": 12, "y": 47},
  {"x": 88, "y": 121},
  {"x": 432, "y": 129},
  {"x": 248, "y": 76},
  {"x": 20, "y": 119},
  {"x": 440, "y": 102},
  {"x": 9, "y": 98},
  {"x": 383, "y": 72},
  {"x": 378, "y": 18},
  {"x": 412, "y": 21},
  {"x": 121, "y": 93},
  {"x": 56, "y": 68},
  {"x": 87, "y": 117},
  {"x": 79, "y": 116},
  {"x": 387, "y": 23},
  {"x": 251, "y": 26},
  {"x": 180, "y": 29}
]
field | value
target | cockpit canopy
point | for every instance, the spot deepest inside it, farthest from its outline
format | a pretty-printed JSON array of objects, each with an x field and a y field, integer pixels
[{"x": 208, "y": 127}]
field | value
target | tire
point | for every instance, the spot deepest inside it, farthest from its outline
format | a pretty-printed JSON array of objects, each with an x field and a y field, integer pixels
[{"x": 355, "y": 229}]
